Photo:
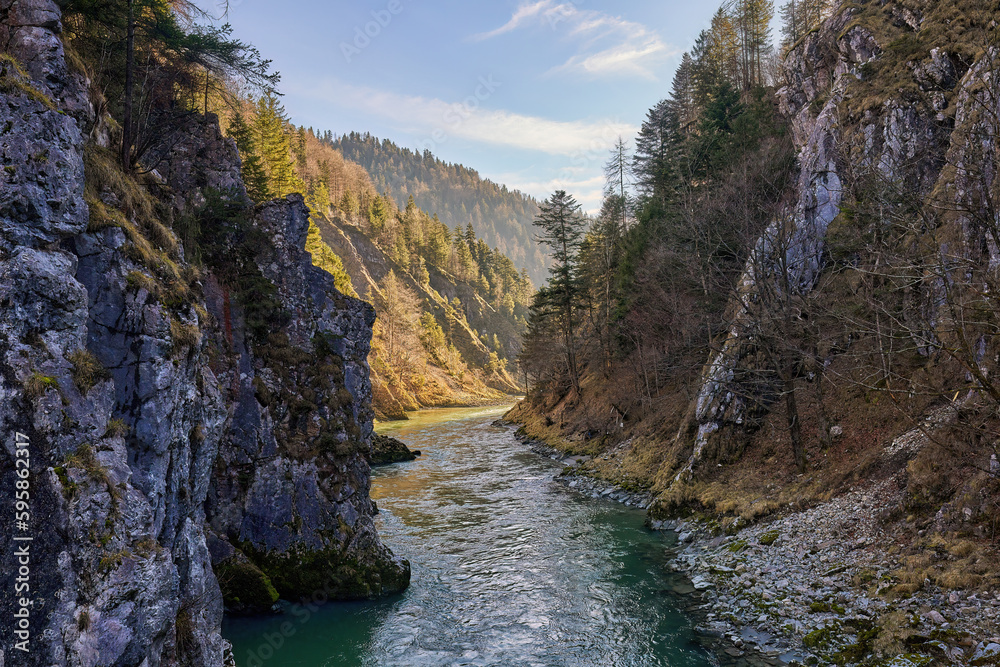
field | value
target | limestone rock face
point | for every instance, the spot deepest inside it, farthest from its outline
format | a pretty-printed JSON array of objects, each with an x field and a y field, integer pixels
[
  {"x": 920, "y": 123},
  {"x": 818, "y": 72},
  {"x": 164, "y": 439},
  {"x": 195, "y": 159},
  {"x": 41, "y": 198},
  {"x": 292, "y": 481}
]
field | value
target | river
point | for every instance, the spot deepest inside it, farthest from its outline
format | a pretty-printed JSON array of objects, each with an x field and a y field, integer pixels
[{"x": 510, "y": 568}]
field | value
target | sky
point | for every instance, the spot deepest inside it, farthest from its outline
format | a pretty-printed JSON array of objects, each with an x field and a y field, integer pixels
[{"x": 532, "y": 94}]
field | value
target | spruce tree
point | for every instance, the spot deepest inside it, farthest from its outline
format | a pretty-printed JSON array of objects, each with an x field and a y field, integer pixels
[
  {"x": 378, "y": 215},
  {"x": 275, "y": 147},
  {"x": 562, "y": 229},
  {"x": 681, "y": 106},
  {"x": 252, "y": 170},
  {"x": 652, "y": 148}
]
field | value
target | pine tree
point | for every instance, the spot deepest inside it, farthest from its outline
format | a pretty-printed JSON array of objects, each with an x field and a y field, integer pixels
[
  {"x": 682, "y": 108},
  {"x": 378, "y": 215},
  {"x": 252, "y": 170},
  {"x": 758, "y": 15},
  {"x": 301, "y": 156},
  {"x": 318, "y": 198},
  {"x": 652, "y": 147},
  {"x": 725, "y": 52},
  {"x": 349, "y": 204},
  {"x": 705, "y": 73},
  {"x": 618, "y": 174},
  {"x": 275, "y": 147},
  {"x": 562, "y": 229},
  {"x": 798, "y": 17}
]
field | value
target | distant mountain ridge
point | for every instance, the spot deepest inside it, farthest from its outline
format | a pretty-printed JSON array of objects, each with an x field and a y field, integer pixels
[{"x": 457, "y": 194}]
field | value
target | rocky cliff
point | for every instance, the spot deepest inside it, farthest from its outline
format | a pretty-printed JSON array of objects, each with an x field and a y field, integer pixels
[
  {"x": 892, "y": 107},
  {"x": 174, "y": 441}
]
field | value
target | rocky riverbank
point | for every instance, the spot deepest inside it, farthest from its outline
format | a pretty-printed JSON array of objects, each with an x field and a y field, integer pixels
[
  {"x": 819, "y": 586},
  {"x": 576, "y": 479},
  {"x": 812, "y": 587},
  {"x": 840, "y": 583}
]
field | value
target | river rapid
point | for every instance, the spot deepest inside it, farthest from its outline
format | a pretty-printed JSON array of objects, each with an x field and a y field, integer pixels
[{"x": 510, "y": 568}]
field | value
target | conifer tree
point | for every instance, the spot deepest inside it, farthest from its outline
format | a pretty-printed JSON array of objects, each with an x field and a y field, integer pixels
[
  {"x": 318, "y": 198},
  {"x": 562, "y": 229},
  {"x": 300, "y": 148},
  {"x": 251, "y": 169},
  {"x": 349, "y": 204},
  {"x": 618, "y": 174},
  {"x": 274, "y": 146},
  {"x": 652, "y": 148},
  {"x": 681, "y": 105},
  {"x": 378, "y": 215}
]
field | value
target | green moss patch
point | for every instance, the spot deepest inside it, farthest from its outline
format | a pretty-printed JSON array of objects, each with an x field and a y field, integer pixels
[
  {"x": 769, "y": 538},
  {"x": 327, "y": 573},
  {"x": 245, "y": 588},
  {"x": 15, "y": 81}
]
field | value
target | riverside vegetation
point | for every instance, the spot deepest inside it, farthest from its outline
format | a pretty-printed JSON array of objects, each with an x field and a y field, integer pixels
[{"x": 796, "y": 303}]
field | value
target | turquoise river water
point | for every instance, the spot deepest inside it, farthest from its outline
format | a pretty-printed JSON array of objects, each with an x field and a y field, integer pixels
[{"x": 510, "y": 568}]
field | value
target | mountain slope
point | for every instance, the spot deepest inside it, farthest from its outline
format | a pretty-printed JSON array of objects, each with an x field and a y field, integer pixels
[
  {"x": 445, "y": 357},
  {"x": 457, "y": 194}
]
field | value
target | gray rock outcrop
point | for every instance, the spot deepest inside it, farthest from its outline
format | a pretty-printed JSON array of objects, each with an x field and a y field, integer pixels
[
  {"x": 155, "y": 458},
  {"x": 862, "y": 115}
]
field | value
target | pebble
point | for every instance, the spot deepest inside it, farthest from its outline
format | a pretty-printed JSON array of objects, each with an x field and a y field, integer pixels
[{"x": 936, "y": 617}]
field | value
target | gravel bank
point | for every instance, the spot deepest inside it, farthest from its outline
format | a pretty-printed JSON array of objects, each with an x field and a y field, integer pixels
[{"x": 806, "y": 588}]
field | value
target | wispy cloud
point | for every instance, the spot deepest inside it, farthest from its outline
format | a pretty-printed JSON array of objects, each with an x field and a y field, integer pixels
[
  {"x": 589, "y": 192},
  {"x": 608, "y": 45},
  {"x": 439, "y": 120},
  {"x": 523, "y": 15}
]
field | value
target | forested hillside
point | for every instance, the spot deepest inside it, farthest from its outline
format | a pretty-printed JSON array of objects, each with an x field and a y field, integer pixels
[
  {"x": 798, "y": 299},
  {"x": 457, "y": 194},
  {"x": 451, "y": 309},
  {"x": 642, "y": 291}
]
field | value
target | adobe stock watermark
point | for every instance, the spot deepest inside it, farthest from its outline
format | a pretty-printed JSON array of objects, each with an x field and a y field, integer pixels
[
  {"x": 363, "y": 35},
  {"x": 457, "y": 114},
  {"x": 562, "y": 12},
  {"x": 22, "y": 543}
]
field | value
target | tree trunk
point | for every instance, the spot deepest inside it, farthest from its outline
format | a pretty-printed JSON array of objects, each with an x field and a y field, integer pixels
[
  {"x": 127, "y": 140},
  {"x": 794, "y": 426}
]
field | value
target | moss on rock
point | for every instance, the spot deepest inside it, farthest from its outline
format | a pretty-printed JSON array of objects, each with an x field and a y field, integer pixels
[
  {"x": 330, "y": 574},
  {"x": 386, "y": 450},
  {"x": 245, "y": 588}
]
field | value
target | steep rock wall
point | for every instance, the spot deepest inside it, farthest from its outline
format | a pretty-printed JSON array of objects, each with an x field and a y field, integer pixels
[
  {"x": 139, "y": 399},
  {"x": 865, "y": 102},
  {"x": 291, "y": 488}
]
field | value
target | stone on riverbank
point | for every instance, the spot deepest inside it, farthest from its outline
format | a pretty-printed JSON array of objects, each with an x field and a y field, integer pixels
[{"x": 386, "y": 450}]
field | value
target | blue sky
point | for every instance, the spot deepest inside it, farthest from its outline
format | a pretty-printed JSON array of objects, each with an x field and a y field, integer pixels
[{"x": 532, "y": 94}]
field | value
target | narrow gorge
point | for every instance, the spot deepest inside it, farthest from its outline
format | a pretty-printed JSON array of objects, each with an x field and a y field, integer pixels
[{"x": 733, "y": 401}]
